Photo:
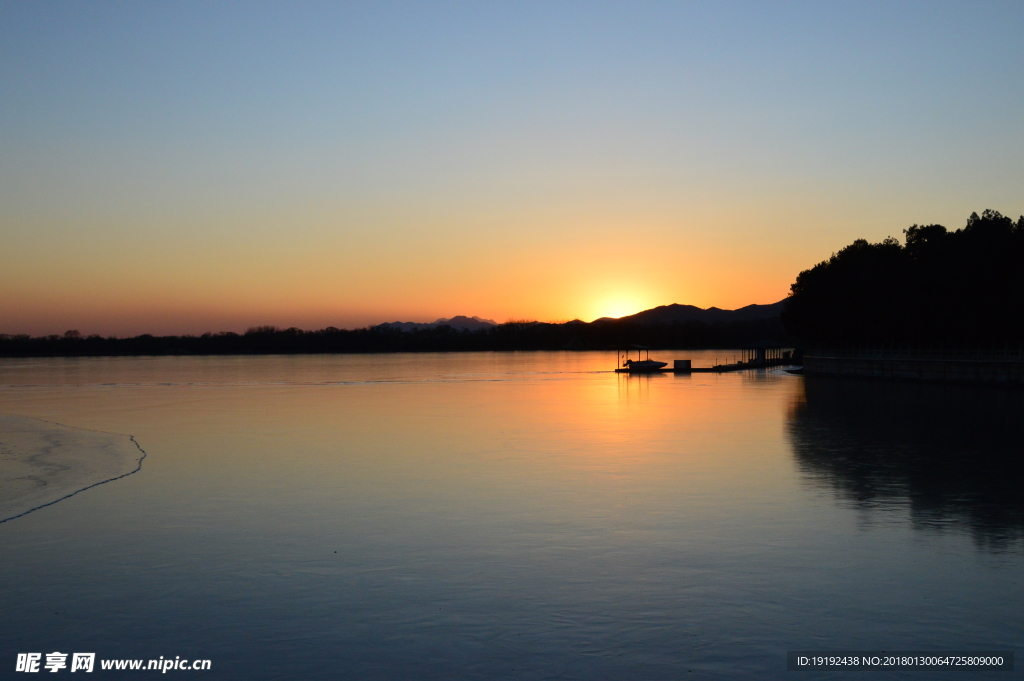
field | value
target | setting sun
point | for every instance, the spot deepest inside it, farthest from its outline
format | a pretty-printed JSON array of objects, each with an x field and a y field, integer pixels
[
  {"x": 622, "y": 298},
  {"x": 619, "y": 307}
]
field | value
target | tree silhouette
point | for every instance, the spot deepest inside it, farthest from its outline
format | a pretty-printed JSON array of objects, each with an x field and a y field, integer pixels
[{"x": 965, "y": 286}]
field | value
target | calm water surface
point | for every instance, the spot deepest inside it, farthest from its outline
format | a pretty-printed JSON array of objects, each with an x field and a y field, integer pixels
[{"x": 515, "y": 515}]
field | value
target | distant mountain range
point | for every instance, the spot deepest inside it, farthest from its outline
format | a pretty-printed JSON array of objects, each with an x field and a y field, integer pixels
[
  {"x": 663, "y": 314},
  {"x": 457, "y": 322},
  {"x": 668, "y": 326},
  {"x": 667, "y": 314}
]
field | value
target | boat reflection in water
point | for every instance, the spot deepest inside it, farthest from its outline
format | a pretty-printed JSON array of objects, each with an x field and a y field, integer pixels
[{"x": 950, "y": 455}]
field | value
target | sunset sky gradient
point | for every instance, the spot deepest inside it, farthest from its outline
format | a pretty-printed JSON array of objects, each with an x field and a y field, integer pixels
[{"x": 193, "y": 166}]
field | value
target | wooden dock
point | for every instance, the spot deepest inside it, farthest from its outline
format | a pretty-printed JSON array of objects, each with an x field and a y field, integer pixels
[
  {"x": 717, "y": 369},
  {"x": 758, "y": 356}
]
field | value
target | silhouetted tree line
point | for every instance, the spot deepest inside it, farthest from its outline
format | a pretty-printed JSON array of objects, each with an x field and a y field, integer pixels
[
  {"x": 941, "y": 287},
  {"x": 516, "y": 335}
]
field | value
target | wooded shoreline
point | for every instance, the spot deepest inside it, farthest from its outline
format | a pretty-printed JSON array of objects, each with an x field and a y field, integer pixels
[{"x": 574, "y": 335}]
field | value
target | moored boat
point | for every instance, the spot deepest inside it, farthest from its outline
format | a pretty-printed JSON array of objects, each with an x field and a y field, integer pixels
[
  {"x": 643, "y": 365},
  {"x": 637, "y": 365}
]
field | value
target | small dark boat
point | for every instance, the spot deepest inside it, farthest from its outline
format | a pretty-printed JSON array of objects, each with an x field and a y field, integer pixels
[
  {"x": 643, "y": 365},
  {"x": 635, "y": 366}
]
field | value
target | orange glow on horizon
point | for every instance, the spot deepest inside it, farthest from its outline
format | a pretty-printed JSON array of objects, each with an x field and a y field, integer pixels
[{"x": 618, "y": 308}]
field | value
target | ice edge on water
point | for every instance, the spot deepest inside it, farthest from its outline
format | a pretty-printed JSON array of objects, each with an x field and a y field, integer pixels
[{"x": 137, "y": 468}]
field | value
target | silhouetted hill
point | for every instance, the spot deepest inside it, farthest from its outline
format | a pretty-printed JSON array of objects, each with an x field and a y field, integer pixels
[
  {"x": 440, "y": 336},
  {"x": 675, "y": 313},
  {"x": 456, "y": 322}
]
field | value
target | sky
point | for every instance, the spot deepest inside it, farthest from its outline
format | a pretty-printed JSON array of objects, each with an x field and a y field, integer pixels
[{"x": 208, "y": 166}]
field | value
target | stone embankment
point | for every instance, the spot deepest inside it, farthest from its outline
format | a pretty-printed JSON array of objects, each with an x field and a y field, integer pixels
[{"x": 1003, "y": 365}]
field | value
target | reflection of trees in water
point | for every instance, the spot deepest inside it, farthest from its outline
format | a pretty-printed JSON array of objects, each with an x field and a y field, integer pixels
[{"x": 952, "y": 453}]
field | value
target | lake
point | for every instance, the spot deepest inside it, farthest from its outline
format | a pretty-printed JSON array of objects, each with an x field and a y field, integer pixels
[{"x": 515, "y": 516}]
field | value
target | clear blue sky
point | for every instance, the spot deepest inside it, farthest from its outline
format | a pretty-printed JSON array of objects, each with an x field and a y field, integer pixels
[{"x": 192, "y": 166}]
